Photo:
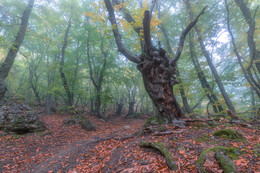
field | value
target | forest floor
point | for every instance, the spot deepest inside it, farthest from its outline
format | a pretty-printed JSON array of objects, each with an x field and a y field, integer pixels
[{"x": 113, "y": 147}]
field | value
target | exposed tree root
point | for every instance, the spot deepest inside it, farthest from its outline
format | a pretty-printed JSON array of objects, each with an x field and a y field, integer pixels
[
  {"x": 224, "y": 162},
  {"x": 166, "y": 153}
]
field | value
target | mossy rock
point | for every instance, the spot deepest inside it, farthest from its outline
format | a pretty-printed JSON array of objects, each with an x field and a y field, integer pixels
[
  {"x": 153, "y": 121},
  {"x": 229, "y": 134},
  {"x": 231, "y": 152},
  {"x": 85, "y": 123}
]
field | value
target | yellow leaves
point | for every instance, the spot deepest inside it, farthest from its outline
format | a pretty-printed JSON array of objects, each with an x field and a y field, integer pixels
[
  {"x": 118, "y": 7},
  {"x": 99, "y": 14}
]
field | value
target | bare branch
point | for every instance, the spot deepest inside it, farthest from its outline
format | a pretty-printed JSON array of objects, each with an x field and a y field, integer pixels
[
  {"x": 121, "y": 48},
  {"x": 152, "y": 7},
  {"x": 128, "y": 17},
  {"x": 183, "y": 35},
  {"x": 147, "y": 32}
]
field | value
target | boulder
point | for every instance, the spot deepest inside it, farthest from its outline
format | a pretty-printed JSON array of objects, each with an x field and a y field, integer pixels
[{"x": 19, "y": 118}]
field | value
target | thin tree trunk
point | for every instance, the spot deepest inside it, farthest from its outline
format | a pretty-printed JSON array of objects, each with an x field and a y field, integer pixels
[
  {"x": 211, "y": 65},
  {"x": 119, "y": 108},
  {"x": 62, "y": 74},
  {"x": 203, "y": 80},
  {"x": 131, "y": 110},
  {"x": 253, "y": 102},
  {"x": 98, "y": 81},
  {"x": 254, "y": 53},
  {"x": 247, "y": 73},
  {"x": 98, "y": 102},
  {"x": 8, "y": 63}
]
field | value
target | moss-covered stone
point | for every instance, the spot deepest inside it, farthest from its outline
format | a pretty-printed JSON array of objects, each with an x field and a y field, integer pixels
[
  {"x": 232, "y": 153},
  {"x": 166, "y": 153},
  {"x": 153, "y": 121},
  {"x": 225, "y": 162},
  {"x": 229, "y": 134},
  {"x": 85, "y": 123}
]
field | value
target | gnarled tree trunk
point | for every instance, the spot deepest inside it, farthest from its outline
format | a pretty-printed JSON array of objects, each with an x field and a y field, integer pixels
[
  {"x": 157, "y": 73},
  {"x": 157, "y": 68}
]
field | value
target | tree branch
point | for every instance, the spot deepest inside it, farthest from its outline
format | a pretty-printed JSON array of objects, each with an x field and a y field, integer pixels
[
  {"x": 239, "y": 57},
  {"x": 183, "y": 35},
  {"x": 121, "y": 48},
  {"x": 147, "y": 30},
  {"x": 128, "y": 17}
]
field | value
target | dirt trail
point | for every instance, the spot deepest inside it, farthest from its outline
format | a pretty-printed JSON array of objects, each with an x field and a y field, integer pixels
[{"x": 61, "y": 148}]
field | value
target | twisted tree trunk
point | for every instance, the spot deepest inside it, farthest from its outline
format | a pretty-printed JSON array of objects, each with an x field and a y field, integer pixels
[{"x": 155, "y": 65}]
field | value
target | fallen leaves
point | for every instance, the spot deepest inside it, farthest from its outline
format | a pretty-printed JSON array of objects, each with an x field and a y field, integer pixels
[{"x": 57, "y": 152}]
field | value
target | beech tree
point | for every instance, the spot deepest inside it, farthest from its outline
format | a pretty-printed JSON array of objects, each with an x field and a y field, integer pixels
[
  {"x": 155, "y": 65},
  {"x": 9, "y": 60}
]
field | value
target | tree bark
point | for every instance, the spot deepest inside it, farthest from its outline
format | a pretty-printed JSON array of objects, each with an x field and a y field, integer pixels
[
  {"x": 131, "y": 109},
  {"x": 211, "y": 65},
  {"x": 62, "y": 74},
  {"x": 247, "y": 73},
  {"x": 203, "y": 80},
  {"x": 119, "y": 108},
  {"x": 182, "y": 91},
  {"x": 98, "y": 81},
  {"x": 8, "y": 63},
  {"x": 254, "y": 53}
]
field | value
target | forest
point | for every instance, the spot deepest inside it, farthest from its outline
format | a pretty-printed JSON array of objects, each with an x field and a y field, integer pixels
[{"x": 129, "y": 86}]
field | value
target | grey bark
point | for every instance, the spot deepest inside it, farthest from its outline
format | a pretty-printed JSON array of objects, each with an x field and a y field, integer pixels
[
  {"x": 203, "y": 80},
  {"x": 247, "y": 73},
  {"x": 8, "y": 62},
  {"x": 98, "y": 79},
  {"x": 62, "y": 74},
  {"x": 250, "y": 19},
  {"x": 211, "y": 65}
]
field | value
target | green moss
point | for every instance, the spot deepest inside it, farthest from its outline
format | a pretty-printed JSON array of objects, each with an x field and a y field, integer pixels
[
  {"x": 167, "y": 154},
  {"x": 153, "y": 121},
  {"x": 229, "y": 134},
  {"x": 203, "y": 138},
  {"x": 43, "y": 133},
  {"x": 225, "y": 163},
  {"x": 232, "y": 153}
]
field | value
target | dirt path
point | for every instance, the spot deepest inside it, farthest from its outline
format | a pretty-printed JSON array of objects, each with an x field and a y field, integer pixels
[{"x": 59, "y": 149}]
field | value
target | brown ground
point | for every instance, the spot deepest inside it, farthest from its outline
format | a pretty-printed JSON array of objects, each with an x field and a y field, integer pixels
[{"x": 112, "y": 149}]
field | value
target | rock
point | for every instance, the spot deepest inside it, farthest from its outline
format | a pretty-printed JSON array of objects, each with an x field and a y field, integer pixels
[
  {"x": 179, "y": 123},
  {"x": 85, "y": 123},
  {"x": 229, "y": 134},
  {"x": 152, "y": 121},
  {"x": 19, "y": 118},
  {"x": 127, "y": 127}
]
